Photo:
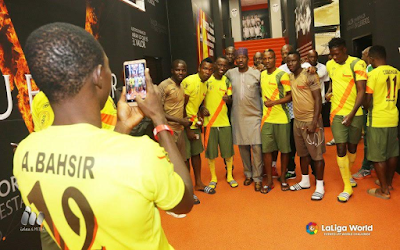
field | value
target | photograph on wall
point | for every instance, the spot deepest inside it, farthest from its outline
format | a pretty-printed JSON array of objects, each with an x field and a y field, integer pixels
[
  {"x": 136, "y": 3},
  {"x": 303, "y": 21},
  {"x": 326, "y": 23},
  {"x": 326, "y": 13},
  {"x": 322, "y": 39},
  {"x": 255, "y": 24}
]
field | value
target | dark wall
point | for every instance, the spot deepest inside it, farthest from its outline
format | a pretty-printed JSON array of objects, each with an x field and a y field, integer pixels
[
  {"x": 227, "y": 24},
  {"x": 288, "y": 7},
  {"x": 183, "y": 33},
  {"x": 371, "y": 17},
  {"x": 116, "y": 34},
  {"x": 387, "y": 30},
  {"x": 218, "y": 27}
]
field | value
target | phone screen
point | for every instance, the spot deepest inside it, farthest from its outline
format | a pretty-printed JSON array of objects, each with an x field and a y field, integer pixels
[{"x": 135, "y": 81}]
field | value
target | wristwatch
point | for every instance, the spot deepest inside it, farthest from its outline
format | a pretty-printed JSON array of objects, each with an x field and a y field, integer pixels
[{"x": 160, "y": 128}]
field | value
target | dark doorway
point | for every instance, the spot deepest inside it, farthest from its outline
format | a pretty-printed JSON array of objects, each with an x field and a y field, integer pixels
[
  {"x": 359, "y": 44},
  {"x": 155, "y": 66}
]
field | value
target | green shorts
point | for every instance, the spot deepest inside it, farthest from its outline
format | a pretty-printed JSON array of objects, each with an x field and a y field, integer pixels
[
  {"x": 275, "y": 137},
  {"x": 221, "y": 136},
  {"x": 382, "y": 144},
  {"x": 194, "y": 147},
  {"x": 350, "y": 134}
]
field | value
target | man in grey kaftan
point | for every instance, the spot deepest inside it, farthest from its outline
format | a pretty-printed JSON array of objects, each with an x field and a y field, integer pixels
[{"x": 246, "y": 116}]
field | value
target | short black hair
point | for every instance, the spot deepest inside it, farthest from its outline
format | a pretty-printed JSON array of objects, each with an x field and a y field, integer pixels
[
  {"x": 336, "y": 42},
  {"x": 221, "y": 57},
  {"x": 270, "y": 51},
  {"x": 206, "y": 60},
  {"x": 176, "y": 62},
  {"x": 378, "y": 52},
  {"x": 60, "y": 57},
  {"x": 294, "y": 53}
]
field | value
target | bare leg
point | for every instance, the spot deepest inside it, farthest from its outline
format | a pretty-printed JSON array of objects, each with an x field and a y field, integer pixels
[
  {"x": 196, "y": 164},
  {"x": 381, "y": 169},
  {"x": 391, "y": 169},
  {"x": 284, "y": 164},
  {"x": 267, "y": 157}
]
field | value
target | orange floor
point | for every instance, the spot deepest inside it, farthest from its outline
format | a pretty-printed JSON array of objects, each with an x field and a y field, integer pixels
[{"x": 243, "y": 219}]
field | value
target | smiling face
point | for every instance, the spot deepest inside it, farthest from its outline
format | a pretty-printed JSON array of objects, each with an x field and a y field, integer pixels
[{"x": 221, "y": 66}]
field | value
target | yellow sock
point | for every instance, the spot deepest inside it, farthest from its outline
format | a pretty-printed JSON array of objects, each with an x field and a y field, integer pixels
[
  {"x": 352, "y": 159},
  {"x": 229, "y": 163},
  {"x": 229, "y": 175},
  {"x": 343, "y": 163},
  {"x": 211, "y": 163}
]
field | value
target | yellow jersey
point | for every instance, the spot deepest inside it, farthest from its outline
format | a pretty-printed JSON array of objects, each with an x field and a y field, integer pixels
[
  {"x": 344, "y": 89},
  {"x": 214, "y": 103},
  {"x": 43, "y": 115},
  {"x": 196, "y": 90},
  {"x": 97, "y": 189},
  {"x": 384, "y": 84},
  {"x": 275, "y": 86}
]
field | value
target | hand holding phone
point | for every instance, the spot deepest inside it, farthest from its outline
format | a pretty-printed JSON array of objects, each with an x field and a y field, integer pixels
[{"x": 135, "y": 80}]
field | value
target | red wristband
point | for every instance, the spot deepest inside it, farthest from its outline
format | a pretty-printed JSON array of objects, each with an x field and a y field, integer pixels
[{"x": 160, "y": 128}]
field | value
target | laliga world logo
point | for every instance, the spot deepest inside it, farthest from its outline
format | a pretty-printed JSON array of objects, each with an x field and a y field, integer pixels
[
  {"x": 30, "y": 217},
  {"x": 312, "y": 228}
]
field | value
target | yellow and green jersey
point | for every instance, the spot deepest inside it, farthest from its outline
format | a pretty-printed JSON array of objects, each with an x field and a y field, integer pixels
[
  {"x": 344, "y": 90},
  {"x": 275, "y": 86},
  {"x": 43, "y": 115},
  {"x": 97, "y": 189},
  {"x": 196, "y": 90},
  {"x": 383, "y": 83},
  {"x": 214, "y": 103}
]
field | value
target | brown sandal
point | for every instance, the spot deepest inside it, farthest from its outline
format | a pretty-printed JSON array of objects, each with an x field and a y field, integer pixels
[
  {"x": 248, "y": 181},
  {"x": 378, "y": 193},
  {"x": 266, "y": 189},
  {"x": 285, "y": 186},
  {"x": 257, "y": 186}
]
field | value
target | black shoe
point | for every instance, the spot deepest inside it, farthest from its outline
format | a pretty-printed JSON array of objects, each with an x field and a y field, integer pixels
[{"x": 290, "y": 175}]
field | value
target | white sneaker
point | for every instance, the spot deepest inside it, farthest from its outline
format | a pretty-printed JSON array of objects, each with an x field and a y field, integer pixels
[{"x": 331, "y": 142}]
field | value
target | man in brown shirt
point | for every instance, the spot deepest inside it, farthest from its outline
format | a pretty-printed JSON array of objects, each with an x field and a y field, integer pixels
[
  {"x": 308, "y": 129},
  {"x": 173, "y": 100}
]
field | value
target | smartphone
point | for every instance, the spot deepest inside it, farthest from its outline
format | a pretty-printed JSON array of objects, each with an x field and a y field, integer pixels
[{"x": 135, "y": 80}]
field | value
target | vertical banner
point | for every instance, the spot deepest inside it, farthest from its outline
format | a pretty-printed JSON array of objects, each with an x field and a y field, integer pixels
[
  {"x": 303, "y": 24},
  {"x": 205, "y": 36}
]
